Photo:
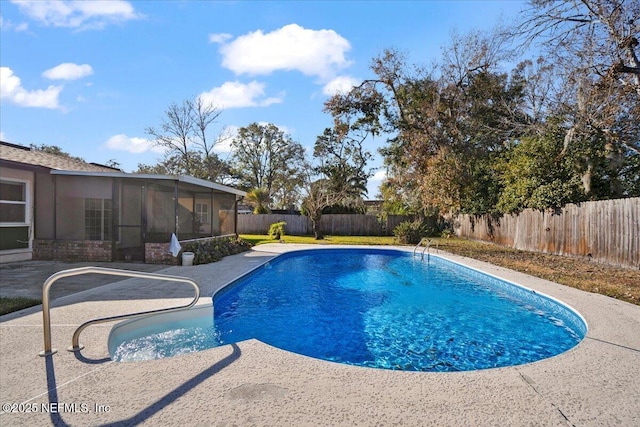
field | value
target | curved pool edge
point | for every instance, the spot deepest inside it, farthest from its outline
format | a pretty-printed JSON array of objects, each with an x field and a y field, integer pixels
[
  {"x": 461, "y": 261},
  {"x": 207, "y": 308},
  {"x": 573, "y": 310}
]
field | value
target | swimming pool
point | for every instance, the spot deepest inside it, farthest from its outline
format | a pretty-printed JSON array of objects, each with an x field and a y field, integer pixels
[{"x": 378, "y": 308}]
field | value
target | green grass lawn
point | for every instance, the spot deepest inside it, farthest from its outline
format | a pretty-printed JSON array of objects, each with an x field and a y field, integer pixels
[
  {"x": 9, "y": 305},
  {"x": 258, "y": 239}
]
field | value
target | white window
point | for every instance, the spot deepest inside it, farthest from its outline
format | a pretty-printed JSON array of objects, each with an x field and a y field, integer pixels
[
  {"x": 97, "y": 219},
  {"x": 202, "y": 213},
  {"x": 13, "y": 202}
]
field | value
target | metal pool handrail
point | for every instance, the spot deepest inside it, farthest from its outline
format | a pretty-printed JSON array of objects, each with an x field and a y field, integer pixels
[
  {"x": 426, "y": 248},
  {"x": 75, "y": 346},
  {"x": 418, "y": 245}
]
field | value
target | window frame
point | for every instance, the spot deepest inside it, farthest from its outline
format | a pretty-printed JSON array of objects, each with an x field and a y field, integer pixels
[
  {"x": 201, "y": 214},
  {"x": 26, "y": 202},
  {"x": 106, "y": 226}
]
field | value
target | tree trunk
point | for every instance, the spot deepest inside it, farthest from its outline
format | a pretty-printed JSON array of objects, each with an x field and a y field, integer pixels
[
  {"x": 630, "y": 45},
  {"x": 586, "y": 177},
  {"x": 315, "y": 223}
]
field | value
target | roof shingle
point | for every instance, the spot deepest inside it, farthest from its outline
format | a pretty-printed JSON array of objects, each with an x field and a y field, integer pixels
[{"x": 29, "y": 156}]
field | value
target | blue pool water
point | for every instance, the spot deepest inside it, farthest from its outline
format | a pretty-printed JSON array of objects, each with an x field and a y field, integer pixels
[{"x": 375, "y": 308}]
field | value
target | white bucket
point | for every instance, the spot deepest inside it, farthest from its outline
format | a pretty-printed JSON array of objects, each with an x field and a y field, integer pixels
[{"x": 187, "y": 258}]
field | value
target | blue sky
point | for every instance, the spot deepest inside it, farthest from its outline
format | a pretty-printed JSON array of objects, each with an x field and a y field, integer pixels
[{"x": 91, "y": 76}]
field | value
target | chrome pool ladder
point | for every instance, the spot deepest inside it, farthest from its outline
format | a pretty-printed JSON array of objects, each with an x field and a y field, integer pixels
[
  {"x": 426, "y": 248},
  {"x": 75, "y": 342}
]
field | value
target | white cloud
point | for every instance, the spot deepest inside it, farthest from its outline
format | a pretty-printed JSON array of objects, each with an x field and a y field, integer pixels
[
  {"x": 77, "y": 14},
  {"x": 373, "y": 185},
  {"x": 68, "y": 71},
  {"x": 8, "y": 25},
  {"x": 11, "y": 89},
  {"x": 219, "y": 38},
  {"x": 379, "y": 176},
  {"x": 341, "y": 84},
  {"x": 318, "y": 53},
  {"x": 134, "y": 145},
  {"x": 238, "y": 95}
]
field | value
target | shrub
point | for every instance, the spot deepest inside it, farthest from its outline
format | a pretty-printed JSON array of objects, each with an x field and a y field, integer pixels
[
  {"x": 276, "y": 230},
  {"x": 410, "y": 232},
  {"x": 212, "y": 250},
  {"x": 448, "y": 232}
]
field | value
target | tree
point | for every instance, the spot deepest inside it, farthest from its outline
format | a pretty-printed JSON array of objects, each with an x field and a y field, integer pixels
[
  {"x": 340, "y": 178},
  {"x": 593, "y": 44},
  {"x": 113, "y": 163},
  {"x": 287, "y": 193},
  {"x": 343, "y": 161},
  {"x": 542, "y": 92},
  {"x": 183, "y": 133},
  {"x": 161, "y": 168},
  {"x": 202, "y": 116},
  {"x": 459, "y": 133},
  {"x": 174, "y": 134},
  {"x": 259, "y": 198},
  {"x": 211, "y": 169},
  {"x": 534, "y": 175},
  {"x": 445, "y": 129},
  {"x": 54, "y": 149},
  {"x": 265, "y": 157},
  {"x": 602, "y": 35},
  {"x": 319, "y": 195},
  {"x": 211, "y": 166}
]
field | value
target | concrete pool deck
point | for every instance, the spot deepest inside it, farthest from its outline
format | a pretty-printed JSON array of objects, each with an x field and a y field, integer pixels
[{"x": 597, "y": 383}]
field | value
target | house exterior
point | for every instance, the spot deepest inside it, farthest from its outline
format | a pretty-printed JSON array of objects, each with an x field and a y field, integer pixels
[{"x": 58, "y": 208}]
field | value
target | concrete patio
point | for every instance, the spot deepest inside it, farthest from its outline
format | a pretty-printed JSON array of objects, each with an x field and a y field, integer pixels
[{"x": 596, "y": 383}]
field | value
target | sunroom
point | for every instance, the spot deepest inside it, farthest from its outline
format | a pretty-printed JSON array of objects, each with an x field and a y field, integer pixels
[{"x": 104, "y": 216}]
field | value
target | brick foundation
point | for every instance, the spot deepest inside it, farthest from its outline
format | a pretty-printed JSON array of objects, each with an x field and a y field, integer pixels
[
  {"x": 85, "y": 250},
  {"x": 71, "y": 250},
  {"x": 158, "y": 253}
]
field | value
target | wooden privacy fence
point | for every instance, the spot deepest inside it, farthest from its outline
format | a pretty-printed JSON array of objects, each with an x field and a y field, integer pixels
[
  {"x": 606, "y": 231},
  {"x": 331, "y": 224}
]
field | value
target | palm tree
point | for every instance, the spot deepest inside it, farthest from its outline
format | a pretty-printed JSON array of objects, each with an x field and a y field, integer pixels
[{"x": 260, "y": 199}]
